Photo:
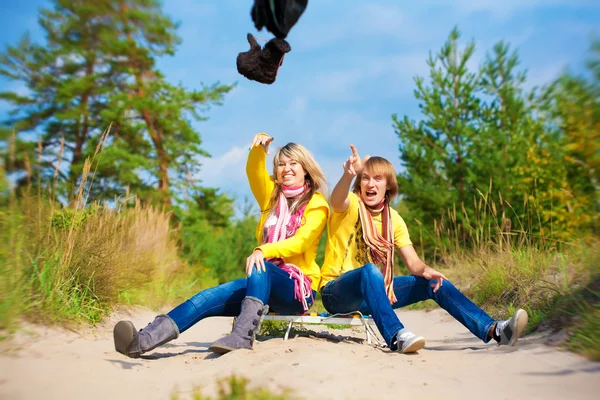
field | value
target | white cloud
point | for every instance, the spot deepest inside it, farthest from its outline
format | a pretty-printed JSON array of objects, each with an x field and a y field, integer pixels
[{"x": 227, "y": 171}]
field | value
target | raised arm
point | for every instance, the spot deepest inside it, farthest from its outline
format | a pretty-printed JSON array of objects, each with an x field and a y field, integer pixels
[
  {"x": 339, "y": 196},
  {"x": 256, "y": 169}
]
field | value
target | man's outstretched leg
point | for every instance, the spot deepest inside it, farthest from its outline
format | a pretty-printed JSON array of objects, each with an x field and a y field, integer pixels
[{"x": 411, "y": 289}]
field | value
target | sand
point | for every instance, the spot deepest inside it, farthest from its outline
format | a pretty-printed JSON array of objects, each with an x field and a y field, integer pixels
[{"x": 50, "y": 363}]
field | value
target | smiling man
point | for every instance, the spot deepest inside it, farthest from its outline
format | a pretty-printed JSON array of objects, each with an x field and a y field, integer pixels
[{"x": 357, "y": 272}]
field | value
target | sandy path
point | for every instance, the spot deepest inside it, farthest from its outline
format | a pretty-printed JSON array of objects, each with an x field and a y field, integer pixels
[{"x": 59, "y": 364}]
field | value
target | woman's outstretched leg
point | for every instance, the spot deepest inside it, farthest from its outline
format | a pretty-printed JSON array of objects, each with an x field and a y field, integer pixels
[{"x": 222, "y": 300}]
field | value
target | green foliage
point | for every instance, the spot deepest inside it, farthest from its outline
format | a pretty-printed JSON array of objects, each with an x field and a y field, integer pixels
[
  {"x": 435, "y": 151},
  {"x": 65, "y": 265},
  {"x": 573, "y": 104},
  {"x": 212, "y": 240},
  {"x": 585, "y": 338},
  {"x": 481, "y": 132},
  {"x": 4, "y": 188},
  {"x": 66, "y": 218},
  {"x": 499, "y": 184},
  {"x": 236, "y": 388},
  {"x": 97, "y": 69},
  {"x": 227, "y": 259}
]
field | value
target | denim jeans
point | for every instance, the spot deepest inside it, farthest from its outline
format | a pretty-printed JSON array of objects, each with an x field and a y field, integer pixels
[
  {"x": 363, "y": 289},
  {"x": 273, "y": 287}
]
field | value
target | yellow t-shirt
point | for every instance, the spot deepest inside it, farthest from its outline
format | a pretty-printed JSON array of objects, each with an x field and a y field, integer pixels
[
  {"x": 300, "y": 249},
  {"x": 346, "y": 248}
]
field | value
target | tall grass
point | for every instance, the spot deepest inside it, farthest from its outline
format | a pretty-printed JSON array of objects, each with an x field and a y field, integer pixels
[
  {"x": 73, "y": 263},
  {"x": 496, "y": 258}
]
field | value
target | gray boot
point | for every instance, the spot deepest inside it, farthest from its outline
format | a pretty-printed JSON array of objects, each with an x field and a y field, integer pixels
[
  {"x": 133, "y": 344},
  {"x": 246, "y": 326}
]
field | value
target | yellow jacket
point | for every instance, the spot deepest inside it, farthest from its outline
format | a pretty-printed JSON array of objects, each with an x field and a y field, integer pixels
[{"x": 300, "y": 249}]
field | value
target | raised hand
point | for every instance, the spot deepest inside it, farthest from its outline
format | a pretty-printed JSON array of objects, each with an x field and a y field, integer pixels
[
  {"x": 354, "y": 165},
  {"x": 261, "y": 139}
]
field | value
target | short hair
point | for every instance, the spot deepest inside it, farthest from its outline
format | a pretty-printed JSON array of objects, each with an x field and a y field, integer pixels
[{"x": 379, "y": 166}]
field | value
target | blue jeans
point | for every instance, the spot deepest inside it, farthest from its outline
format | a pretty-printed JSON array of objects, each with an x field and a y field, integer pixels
[
  {"x": 363, "y": 289},
  {"x": 273, "y": 287}
]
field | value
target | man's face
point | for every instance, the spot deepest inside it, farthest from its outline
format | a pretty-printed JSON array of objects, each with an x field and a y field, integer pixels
[{"x": 372, "y": 188}]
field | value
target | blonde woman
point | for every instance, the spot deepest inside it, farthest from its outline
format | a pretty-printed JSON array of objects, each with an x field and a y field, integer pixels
[
  {"x": 281, "y": 273},
  {"x": 358, "y": 270}
]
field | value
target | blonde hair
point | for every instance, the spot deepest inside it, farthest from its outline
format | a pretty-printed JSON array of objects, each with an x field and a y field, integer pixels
[
  {"x": 379, "y": 166},
  {"x": 314, "y": 174}
]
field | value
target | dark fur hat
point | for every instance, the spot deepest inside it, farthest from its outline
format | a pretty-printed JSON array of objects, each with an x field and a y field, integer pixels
[{"x": 262, "y": 65}]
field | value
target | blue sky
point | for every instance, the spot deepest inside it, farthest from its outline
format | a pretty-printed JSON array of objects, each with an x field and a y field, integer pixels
[{"x": 351, "y": 67}]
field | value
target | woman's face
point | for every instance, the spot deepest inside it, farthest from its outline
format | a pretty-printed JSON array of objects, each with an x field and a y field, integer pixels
[{"x": 289, "y": 172}]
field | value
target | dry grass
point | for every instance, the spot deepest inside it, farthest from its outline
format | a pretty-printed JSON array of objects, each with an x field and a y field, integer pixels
[
  {"x": 72, "y": 263},
  {"x": 122, "y": 249},
  {"x": 495, "y": 258}
]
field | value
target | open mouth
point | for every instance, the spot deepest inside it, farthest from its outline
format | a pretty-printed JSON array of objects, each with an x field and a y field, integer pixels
[{"x": 371, "y": 195}]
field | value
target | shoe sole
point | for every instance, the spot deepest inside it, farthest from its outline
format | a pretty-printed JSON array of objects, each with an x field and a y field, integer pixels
[
  {"x": 522, "y": 318},
  {"x": 123, "y": 334},
  {"x": 415, "y": 345},
  {"x": 221, "y": 349}
]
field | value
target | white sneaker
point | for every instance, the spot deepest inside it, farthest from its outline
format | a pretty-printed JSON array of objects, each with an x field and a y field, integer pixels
[
  {"x": 511, "y": 330},
  {"x": 408, "y": 342}
]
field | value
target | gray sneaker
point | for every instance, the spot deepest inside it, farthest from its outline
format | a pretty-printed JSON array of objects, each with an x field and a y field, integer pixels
[
  {"x": 511, "y": 330},
  {"x": 408, "y": 342}
]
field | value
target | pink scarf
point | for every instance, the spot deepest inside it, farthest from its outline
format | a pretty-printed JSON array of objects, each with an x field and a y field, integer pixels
[{"x": 285, "y": 225}]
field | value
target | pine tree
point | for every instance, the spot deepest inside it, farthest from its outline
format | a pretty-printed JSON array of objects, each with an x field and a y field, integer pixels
[
  {"x": 98, "y": 69},
  {"x": 150, "y": 111},
  {"x": 435, "y": 151},
  {"x": 505, "y": 120},
  {"x": 483, "y": 137}
]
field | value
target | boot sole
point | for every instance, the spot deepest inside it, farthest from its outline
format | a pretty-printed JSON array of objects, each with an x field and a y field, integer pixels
[
  {"x": 414, "y": 346},
  {"x": 123, "y": 334},
  {"x": 520, "y": 325},
  {"x": 221, "y": 349}
]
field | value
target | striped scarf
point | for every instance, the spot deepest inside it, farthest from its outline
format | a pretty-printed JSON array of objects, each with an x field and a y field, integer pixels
[
  {"x": 282, "y": 224},
  {"x": 381, "y": 247}
]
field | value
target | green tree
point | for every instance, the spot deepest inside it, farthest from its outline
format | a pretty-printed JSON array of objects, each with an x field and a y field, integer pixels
[
  {"x": 66, "y": 82},
  {"x": 505, "y": 120},
  {"x": 482, "y": 133},
  {"x": 573, "y": 105},
  {"x": 435, "y": 151},
  {"x": 212, "y": 241},
  {"x": 97, "y": 69},
  {"x": 150, "y": 108},
  {"x": 22, "y": 158}
]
